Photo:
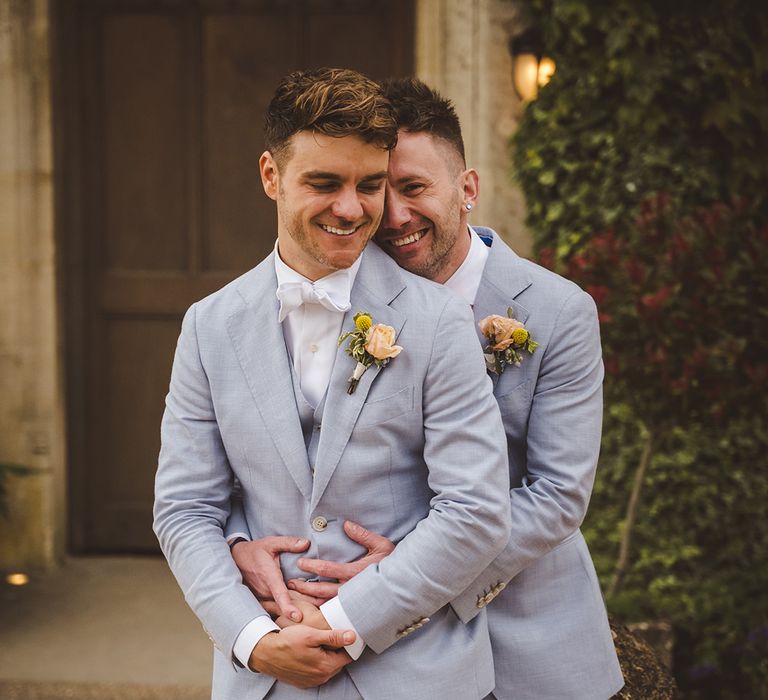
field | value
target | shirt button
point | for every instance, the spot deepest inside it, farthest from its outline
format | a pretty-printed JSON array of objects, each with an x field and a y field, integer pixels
[
  {"x": 313, "y": 348},
  {"x": 319, "y": 523}
]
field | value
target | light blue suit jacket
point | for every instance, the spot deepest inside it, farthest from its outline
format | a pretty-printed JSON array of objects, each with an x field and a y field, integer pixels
[
  {"x": 549, "y": 629},
  {"x": 415, "y": 454}
]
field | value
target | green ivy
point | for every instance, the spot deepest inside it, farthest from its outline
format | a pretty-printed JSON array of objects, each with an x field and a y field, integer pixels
[
  {"x": 699, "y": 552},
  {"x": 643, "y": 163},
  {"x": 649, "y": 96}
]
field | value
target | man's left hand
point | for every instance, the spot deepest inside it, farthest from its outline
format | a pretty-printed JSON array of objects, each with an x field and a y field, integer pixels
[{"x": 378, "y": 547}]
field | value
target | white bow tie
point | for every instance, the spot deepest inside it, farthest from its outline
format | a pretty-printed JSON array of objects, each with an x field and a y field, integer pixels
[{"x": 332, "y": 293}]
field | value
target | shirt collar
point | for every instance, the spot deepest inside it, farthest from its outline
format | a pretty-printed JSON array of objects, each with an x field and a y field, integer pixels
[
  {"x": 466, "y": 280},
  {"x": 340, "y": 279}
]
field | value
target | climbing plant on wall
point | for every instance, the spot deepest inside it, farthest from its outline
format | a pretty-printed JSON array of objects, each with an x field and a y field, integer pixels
[
  {"x": 648, "y": 96},
  {"x": 644, "y": 171}
]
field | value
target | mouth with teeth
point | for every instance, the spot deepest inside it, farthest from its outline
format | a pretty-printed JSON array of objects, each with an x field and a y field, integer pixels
[
  {"x": 408, "y": 239},
  {"x": 339, "y": 231}
]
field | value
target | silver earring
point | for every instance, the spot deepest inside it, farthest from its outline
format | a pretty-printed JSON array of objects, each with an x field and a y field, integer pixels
[{"x": 468, "y": 206}]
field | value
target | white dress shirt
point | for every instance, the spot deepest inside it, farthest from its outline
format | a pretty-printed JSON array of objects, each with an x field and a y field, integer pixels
[
  {"x": 466, "y": 280},
  {"x": 311, "y": 331}
]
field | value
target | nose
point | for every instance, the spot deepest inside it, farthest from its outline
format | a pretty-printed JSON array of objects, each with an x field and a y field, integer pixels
[
  {"x": 347, "y": 205},
  {"x": 396, "y": 212}
]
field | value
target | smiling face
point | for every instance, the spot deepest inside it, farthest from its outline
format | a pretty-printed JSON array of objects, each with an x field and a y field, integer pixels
[
  {"x": 330, "y": 196},
  {"x": 424, "y": 227}
]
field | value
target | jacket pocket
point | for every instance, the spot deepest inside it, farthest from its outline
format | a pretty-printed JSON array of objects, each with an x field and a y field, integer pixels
[
  {"x": 517, "y": 401},
  {"x": 384, "y": 409}
]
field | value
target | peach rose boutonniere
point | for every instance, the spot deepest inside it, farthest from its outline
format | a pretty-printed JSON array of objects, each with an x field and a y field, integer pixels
[
  {"x": 507, "y": 337},
  {"x": 370, "y": 343}
]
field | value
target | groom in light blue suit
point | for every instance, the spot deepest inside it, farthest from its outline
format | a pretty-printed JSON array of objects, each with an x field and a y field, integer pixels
[
  {"x": 548, "y": 625},
  {"x": 260, "y": 394}
]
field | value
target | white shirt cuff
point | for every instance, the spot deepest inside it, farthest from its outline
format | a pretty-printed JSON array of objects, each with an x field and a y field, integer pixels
[
  {"x": 250, "y": 635},
  {"x": 337, "y": 619}
]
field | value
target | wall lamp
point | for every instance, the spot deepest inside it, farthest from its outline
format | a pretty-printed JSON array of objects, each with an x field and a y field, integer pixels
[{"x": 531, "y": 69}]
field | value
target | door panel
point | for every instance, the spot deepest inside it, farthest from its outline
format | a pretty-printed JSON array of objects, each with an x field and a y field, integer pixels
[
  {"x": 244, "y": 58},
  {"x": 121, "y": 483},
  {"x": 160, "y": 107},
  {"x": 145, "y": 142}
]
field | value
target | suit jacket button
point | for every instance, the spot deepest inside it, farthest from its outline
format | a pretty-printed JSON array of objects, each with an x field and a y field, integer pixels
[{"x": 319, "y": 523}]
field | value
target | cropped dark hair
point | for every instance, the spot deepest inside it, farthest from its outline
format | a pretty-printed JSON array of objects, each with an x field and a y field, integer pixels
[
  {"x": 332, "y": 101},
  {"x": 419, "y": 108}
]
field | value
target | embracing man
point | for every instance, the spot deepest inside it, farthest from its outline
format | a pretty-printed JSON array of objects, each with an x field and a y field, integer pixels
[
  {"x": 548, "y": 625},
  {"x": 406, "y": 438}
]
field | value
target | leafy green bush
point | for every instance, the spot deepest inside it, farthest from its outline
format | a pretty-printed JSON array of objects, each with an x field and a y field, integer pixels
[
  {"x": 698, "y": 555},
  {"x": 648, "y": 96},
  {"x": 683, "y": 305},
  {"x": 643, "y": 165}
]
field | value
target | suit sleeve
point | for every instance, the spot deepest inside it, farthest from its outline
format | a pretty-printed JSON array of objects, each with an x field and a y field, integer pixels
[
  {"x": 468, "y": 521},
  {"x": 192, "y": 494},
  {"x": 236, "y": 525},
  {"x": 563, "y": 443}
]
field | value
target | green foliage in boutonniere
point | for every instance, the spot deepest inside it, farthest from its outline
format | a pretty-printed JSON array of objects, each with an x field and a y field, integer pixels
[
  {"x": 370, "y": 343},
  {"x": 507, "y": 339}
]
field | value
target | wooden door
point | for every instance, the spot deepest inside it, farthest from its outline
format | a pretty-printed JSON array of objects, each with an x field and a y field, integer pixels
[{"x": 159, "y": 113}]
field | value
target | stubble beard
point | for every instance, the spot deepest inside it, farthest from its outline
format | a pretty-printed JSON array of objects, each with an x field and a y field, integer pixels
[
  {"x": 297, "y": 232},
  {"x": 442, "y": 243}
]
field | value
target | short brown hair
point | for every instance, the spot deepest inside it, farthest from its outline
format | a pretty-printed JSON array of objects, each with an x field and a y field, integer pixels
[
  {"x": 332, "y": 101},
  {"x": 419, "y": 108}
]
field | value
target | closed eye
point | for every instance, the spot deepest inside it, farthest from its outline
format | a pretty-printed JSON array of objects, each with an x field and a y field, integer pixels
[
  {"x": 324, "y": 186},
  {"x": 413, "y": 188},
  {"x": 371, "y": 187}
]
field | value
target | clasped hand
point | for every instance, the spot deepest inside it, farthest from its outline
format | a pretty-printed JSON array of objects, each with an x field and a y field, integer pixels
[
  {"x": 308, "y": 654},
  {"x": 301, "y": 655}
]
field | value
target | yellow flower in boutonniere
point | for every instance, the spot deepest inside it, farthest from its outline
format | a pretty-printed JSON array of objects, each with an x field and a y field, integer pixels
[
  {"x": 507, "y": 337},
  {"x": 370, "y": 343}
]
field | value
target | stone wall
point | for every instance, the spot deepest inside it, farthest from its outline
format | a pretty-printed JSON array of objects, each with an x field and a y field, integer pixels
[
  {"x": 461, "y": 49},
  {"x": 31, "y": 397}
]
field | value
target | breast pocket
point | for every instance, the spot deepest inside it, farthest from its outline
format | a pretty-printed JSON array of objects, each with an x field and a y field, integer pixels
[
  {"x": 387, "y": 408},
  {"x": 515, "y": 406}
]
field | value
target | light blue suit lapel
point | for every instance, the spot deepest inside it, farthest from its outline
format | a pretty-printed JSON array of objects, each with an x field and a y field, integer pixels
[
  {"x": 504, "y": 279},
  {"x": 378, "y": 283},
  {"x": 258, "y": 340}
]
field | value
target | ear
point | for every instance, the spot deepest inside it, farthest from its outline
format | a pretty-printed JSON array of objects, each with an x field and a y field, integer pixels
[
  {"x": 471, "y": 186},
  {"x": 270, "y": 175}
]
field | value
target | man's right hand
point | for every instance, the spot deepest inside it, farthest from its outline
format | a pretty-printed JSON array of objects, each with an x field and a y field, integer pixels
[
  {"x": 378, "y": 548},
  {"x": 259, "y": 564},
  {"x": 302, "y": 656}
]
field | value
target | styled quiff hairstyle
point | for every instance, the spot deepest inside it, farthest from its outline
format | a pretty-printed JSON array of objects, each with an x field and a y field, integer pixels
[
  {"x": 419, "y": 108},
  {"x": 332, "y": 101}
]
